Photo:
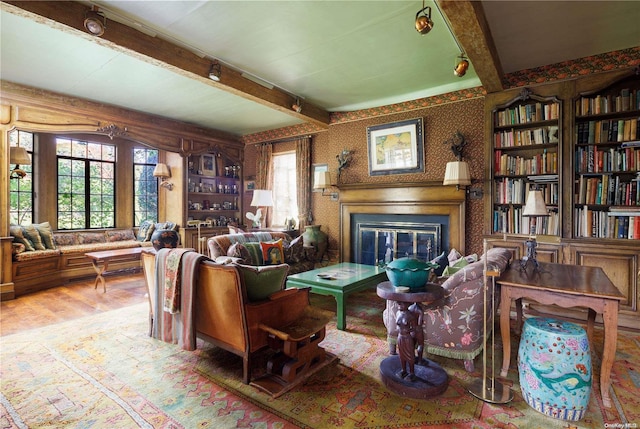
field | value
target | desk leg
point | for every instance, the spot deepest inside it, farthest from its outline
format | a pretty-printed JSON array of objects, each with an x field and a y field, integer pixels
[
  {"x": 341, "y": 316},
  {"x": 591, "y": 319},
  {"x": 100, "y": 276},
  {"x": 505, "y": 329},
  {"x": 610, "y": 319}
]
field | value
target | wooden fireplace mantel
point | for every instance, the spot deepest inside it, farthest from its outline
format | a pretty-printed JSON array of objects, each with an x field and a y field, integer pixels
[{"x": 424, "y": 198}]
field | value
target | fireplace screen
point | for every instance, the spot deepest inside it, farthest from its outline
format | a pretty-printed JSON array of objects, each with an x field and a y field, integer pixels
[{"x": 384, "y": 242}]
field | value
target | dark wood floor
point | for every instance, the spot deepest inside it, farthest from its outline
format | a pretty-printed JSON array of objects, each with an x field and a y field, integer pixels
[{"x": 70, "y": 301}]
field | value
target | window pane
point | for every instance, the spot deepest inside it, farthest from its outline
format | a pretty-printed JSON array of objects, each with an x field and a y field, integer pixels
[
  {"x": 21, "y": 190},
  {"x": 285, "y": 199},
  {"x": 145, "y": 186}
]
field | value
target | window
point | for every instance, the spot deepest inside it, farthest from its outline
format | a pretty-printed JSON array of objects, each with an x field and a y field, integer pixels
[
  {"x": 86, "y": 184},
  {"x": 145, "y": 186},
  {"x": 21, "y": 190},
  {"x": 285, "y": 199}
]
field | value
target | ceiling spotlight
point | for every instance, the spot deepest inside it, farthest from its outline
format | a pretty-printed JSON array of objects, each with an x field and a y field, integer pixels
[
  {"x": 462, "y": 64},
  {"x": 95, "y": 22},
  {"x": 215, "y": 71},
  {"x": 297, "y": 106},
  {"x": 424, "y": 24}
]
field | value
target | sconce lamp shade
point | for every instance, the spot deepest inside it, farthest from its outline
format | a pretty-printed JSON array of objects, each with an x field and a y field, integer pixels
[
  {"x": 161, "y": 170},
  {"x": 323, "y": 180},
  {"x": 262, "y": 198},
  {"x": 457, "y": 173},
  {"x": 535, "y": 205},
  {"x": 19, "y": 156}
]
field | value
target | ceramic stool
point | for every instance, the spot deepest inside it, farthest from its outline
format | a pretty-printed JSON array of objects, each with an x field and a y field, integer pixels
[{"x": 554, "y": 366}]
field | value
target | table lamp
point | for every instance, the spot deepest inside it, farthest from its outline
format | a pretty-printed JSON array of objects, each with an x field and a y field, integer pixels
[
  {"x": 534, "y": 208},
  {"x": 261, "y": 198}
]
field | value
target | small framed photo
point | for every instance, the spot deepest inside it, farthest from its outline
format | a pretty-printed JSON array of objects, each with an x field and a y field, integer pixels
[
  {"x": 208, "y": 165},
  {"x": 396, "y": 148},
  {"x": 249, "y": 185},
  {"x": 315, "y": 169}
]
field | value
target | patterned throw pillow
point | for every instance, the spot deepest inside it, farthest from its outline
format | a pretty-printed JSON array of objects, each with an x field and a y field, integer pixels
[
  {"x": 260, "y": 282},
  {"x": 145, "y": 230},
  {"x": 33, "y": 235},
  {"x": 272, "y": 252},
  {"x": 18, "y": 237},
  {"x": 120, "y": 235},
  {"x": 442, "y": 261},
  {"x": 237, "y": 250},
  {"x": 455, "y": 267},
  {"x": 294, "y": 251},
  {"x": 44, "y": 229},
  {"x": 453, "y": 256},
  {"x": 91, "y": 238},
  {"x": 255, "y": 253}
]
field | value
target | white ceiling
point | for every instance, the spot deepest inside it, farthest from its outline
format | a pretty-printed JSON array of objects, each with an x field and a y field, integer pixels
[{"x": 336, "y": 55}]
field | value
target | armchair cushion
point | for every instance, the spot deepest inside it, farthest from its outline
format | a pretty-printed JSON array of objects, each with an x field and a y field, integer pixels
[{"x": 262, "y": 281}]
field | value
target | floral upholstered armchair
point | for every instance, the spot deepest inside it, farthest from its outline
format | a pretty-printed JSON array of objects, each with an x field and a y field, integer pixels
[{"x": 453, "y": 327}]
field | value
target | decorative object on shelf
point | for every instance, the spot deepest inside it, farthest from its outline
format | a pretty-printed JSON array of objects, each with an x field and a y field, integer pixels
[
  {"x": 215, "y": 71},
  {"x": 162, "y": 171},
  {"x": 409, "y": 272},
  {"x": 534, "y": 208},
  {"x": 18, "y": 156},
  {"x": 208, "y": 165},
  {"x": 261, "y": 198},
  {"x": 95, "y": 22},
  {"x": 322, "y": 181},
  {"x": 344, "y": 159},
  {"x": 290, "y": 223},
  {"x": 489, "y": 389},
  {"x": 457, "y": 172},
  {"x": 314, "y": 237},
  {"x": 165, "y": 238},
  {"x": 424, "y": 23},
  {"x": 396, "y": 148}
]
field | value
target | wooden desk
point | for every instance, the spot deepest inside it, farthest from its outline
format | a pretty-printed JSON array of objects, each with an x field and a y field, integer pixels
[
  {"x": 106, "y": 256},
  {"x": 565, "y": 286}
]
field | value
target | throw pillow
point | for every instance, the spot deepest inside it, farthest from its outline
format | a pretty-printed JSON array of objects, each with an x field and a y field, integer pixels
[
  {"x": 120, "y": 235},
  {"x": 294, "y": 251},
  {"x": 33, "y": 235},
  {"x": 46, "y": 234},
  {"x": 272, "y": 252},
  {"x": 18, "y": 237},
  {"x": 260, "y": 282},
  {"x": 237, "y": 250},
  {"x": 145, "y": 230},
  {"x": 442, "y": 262},
  {"x": 255, "y": 253},
  {"x": 91, "y": 237},
  {"x": 455, "y": 267},
  {"x": 453, "y": 256}
]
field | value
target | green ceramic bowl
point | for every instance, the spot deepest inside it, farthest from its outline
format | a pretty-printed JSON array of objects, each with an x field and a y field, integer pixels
[{"x": 409, "y": 272}]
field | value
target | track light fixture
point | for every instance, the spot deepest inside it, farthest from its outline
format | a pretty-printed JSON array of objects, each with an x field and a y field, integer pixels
[
  {"x": 297, "y": 106},
  {"x": 462, "y": 64},
  {"x": 95, "y": 22},
  {"x": 215, "y": 71},
  {"x": 424, "y": 23}
]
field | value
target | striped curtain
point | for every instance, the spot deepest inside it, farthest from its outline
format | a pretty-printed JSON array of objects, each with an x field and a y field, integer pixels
[{"x": 303, "y": 181}]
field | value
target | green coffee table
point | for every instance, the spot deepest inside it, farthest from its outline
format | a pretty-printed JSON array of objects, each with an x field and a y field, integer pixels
[{"x": 339, "y": 280}]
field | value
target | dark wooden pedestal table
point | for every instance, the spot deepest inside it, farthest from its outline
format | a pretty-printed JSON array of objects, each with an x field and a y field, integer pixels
[{"x": 425, "y": 378}]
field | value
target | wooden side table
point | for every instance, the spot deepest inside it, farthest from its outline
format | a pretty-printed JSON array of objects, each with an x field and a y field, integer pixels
[{"x": 407, "y": 374}]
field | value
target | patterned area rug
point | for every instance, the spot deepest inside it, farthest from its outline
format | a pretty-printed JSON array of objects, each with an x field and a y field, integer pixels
[{"x": 104, "y": 371}]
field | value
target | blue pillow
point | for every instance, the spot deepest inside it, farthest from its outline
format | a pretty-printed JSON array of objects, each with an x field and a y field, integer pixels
[{"x": 443, "y": 262}]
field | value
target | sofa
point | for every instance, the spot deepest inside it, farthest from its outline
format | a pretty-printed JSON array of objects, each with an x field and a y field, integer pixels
[
  {"x": 43, "y": 258},
  {"x": 250, "y": 248},
  {"x": 453, "y": 326}
]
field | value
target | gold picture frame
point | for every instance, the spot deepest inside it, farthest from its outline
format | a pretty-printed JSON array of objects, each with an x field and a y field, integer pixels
[
  {"x": 208, "y": 165},
  {"x": 396, "y": 148}
]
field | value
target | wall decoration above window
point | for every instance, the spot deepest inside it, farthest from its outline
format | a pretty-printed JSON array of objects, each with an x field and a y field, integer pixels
[{"x": 396, "y": 148}]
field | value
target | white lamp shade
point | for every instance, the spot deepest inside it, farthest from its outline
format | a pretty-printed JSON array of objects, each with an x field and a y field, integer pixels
[
  {"x": 323, "y": 180},
  {"x": 19, "y": 155},
  {"x": 262, "y": 198},
  {"x": 457, "y": 173},
  {"x": 161, "y": 170},
  {"x": 535, "y": 205}
]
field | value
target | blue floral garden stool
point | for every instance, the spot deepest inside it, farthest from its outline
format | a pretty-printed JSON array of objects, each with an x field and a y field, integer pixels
[{"x": 554, "y": 366}]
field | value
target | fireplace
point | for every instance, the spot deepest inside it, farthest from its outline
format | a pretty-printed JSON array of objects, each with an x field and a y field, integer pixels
[{"x": 388, "y": 221}]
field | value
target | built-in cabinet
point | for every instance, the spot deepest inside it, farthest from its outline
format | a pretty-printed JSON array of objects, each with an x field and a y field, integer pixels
[{"x": 594, "y": 195}]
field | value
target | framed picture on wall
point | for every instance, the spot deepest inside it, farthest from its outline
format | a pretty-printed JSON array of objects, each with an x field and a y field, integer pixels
[
  {"x": 249, "y": 185},
  {"x": 315, "y": 169},
  {"x": 208, "y": 165},
  {"x": 396, "y": 148}
]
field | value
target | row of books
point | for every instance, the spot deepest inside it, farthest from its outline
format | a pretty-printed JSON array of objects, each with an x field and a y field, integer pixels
[
  {"x": 615, "y": 130},
  {"x": 604, "y": 224},
  {"x": 627, "y": 99},
  {"x": 527, "y": 113},
  {"x": 508, "y": 165},
  {"x": 607, "y": 190},
  {"x": 515, "y": 191},
  {"x": 528, "y": 137},
  {"x": 511, "y": 221},
  {"x": 589, "y": 159}
]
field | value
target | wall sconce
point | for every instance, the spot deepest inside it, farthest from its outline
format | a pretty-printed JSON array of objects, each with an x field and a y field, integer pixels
[
  {"x": 462, "y": 64},
  {"x": 162, "y": 171},
  {"x": 95, "y": 22},
  {"x": 457, "y": 172},
  {"x": 424, "y": 23},
  {"x": 261, "y": 198},
  {"x": 215, "y": 71},
  {"x": 18, "y": 156},
  {"x": 297, "y": 106},
  {"x": 534, "y": 208},
  {"x": 323, "y": 181}
]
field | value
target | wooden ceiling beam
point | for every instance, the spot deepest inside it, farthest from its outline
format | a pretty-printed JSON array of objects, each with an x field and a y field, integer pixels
[
  {"x": 161, "y": 52},
  {"x": 470, "y": 26}
]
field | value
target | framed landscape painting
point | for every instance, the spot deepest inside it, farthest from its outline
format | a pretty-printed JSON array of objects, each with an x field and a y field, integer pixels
[{"x": 396, "y": 148}]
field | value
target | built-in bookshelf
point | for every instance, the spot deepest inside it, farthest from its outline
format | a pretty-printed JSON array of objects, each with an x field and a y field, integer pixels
[
  {"x": 527, "y": 134},
  {"x": 607, "y": 162}
]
